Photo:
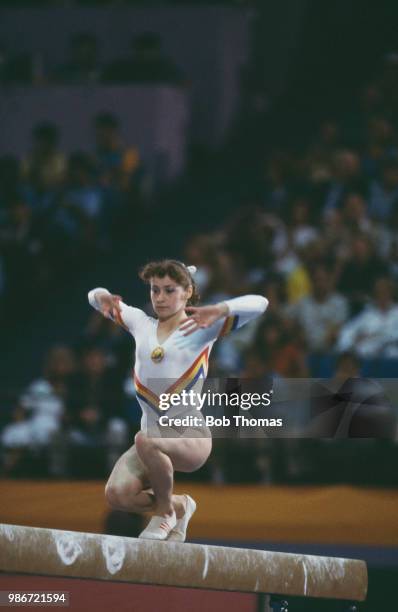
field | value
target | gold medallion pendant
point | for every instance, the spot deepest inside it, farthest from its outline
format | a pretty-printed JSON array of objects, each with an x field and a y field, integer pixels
[{"x": 157, "y": 354}]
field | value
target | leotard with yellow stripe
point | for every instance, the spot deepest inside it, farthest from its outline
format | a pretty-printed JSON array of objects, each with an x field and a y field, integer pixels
[{"x": 186, "y": 358}]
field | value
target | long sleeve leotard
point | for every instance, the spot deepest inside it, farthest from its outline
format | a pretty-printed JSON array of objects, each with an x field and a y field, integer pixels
[{"x": 185, "y": 358}]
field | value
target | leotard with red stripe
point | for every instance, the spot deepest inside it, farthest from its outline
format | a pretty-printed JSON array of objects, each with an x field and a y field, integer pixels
[{"x": 185, "y": 358}]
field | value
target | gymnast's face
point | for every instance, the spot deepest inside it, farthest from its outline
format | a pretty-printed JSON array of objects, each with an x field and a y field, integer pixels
[{"x": 168, "y": 297}]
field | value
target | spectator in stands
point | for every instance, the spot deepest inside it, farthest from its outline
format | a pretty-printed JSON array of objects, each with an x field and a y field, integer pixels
[
  {"x": 275, "y": 288},
  {"x": 343, "y": 226},
  {"x": 249, "y": 240},
  {"x": 79, "y": 210},
  {"x": 322, "y": 151},
  {"x": 39, "y": 413},
  {"x": 371, "y": 104},
  {"x": 276, "y": 349},
  {"x": 122, "y": 177},
  {"x": 115, "y": 162},
  {"x": 146, "y": 64},
  {"x": 300, "y": 225},
  {"x": 379, "y": 146},
  {"x": 321, "y": 313},
  {"x": 82, "y": 66},
  {"x": 355, "y": 219},
  {"x": 388, "y": 243},
  {"x": 109, "y": 338},
  {"x": 383, "y": 193},
  {"x": 346, "y": 177},
  {"x": 277, "y": 183},
  {"x": 224, "y": 271},
  {"x": 254, "y": 365},
  {"x": 347, "y": 366},
  {"x": 45, "y": 167},
  {"x": 291, "y": 266},
  {"x": 357, "y": 270},
  {"x": 24, "y": 257},
  {"x": 374, "y": 331},
  {"x": 95, "y": 406}
]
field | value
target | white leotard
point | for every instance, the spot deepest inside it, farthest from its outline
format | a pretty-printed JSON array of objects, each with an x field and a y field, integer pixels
[{"x": 185, "y": 361}]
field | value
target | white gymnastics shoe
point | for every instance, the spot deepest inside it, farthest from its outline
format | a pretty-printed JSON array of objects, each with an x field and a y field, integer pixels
[
  {"x": 159, "y": 527},
  {"x": 179, "y": 533}
]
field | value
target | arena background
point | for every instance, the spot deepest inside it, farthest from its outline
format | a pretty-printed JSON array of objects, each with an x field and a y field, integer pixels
[{"x": 257, "y": 141}]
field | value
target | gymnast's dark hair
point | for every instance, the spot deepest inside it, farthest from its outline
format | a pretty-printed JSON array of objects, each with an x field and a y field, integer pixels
[{"x": 174, "y": 269}]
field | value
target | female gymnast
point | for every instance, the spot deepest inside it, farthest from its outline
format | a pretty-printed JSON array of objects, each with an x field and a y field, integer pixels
[{"x": 172, "y": 354}]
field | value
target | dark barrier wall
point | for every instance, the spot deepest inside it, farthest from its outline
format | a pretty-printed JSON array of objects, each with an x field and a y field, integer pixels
[
  {"x": 152, "y": 118},
  {"x": 209, "y": 44}
]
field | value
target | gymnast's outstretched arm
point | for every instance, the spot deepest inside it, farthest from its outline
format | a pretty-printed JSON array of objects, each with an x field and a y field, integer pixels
[
  {"x": 113, "y": 307},
  {"x": 219, "y": 319}
]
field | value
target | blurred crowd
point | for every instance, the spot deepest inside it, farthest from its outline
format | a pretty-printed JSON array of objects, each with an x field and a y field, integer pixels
[
  {"x": 56, "y": 210},
  {"x": 145, "y": 62},
  {"x": 319, "y": 239},
  {"x": 59, "y": 211},
  {"x": 75, "y": 419}
]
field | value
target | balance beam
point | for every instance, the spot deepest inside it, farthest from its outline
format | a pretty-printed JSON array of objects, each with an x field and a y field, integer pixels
[{"x": 52, "y": 552}]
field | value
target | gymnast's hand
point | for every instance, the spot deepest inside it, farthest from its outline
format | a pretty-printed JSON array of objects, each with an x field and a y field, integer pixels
[
  {"x": 202, "y": 317},
  {"x": 110, "y": 304}
]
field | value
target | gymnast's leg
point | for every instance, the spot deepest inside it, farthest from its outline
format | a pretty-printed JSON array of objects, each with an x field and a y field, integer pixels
[
  {"x": 160, "y": 472},
  {"x": 128, "y": 486},
  {"x": 161, "y": 457},
  {"x": 129, "y": 489}
]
